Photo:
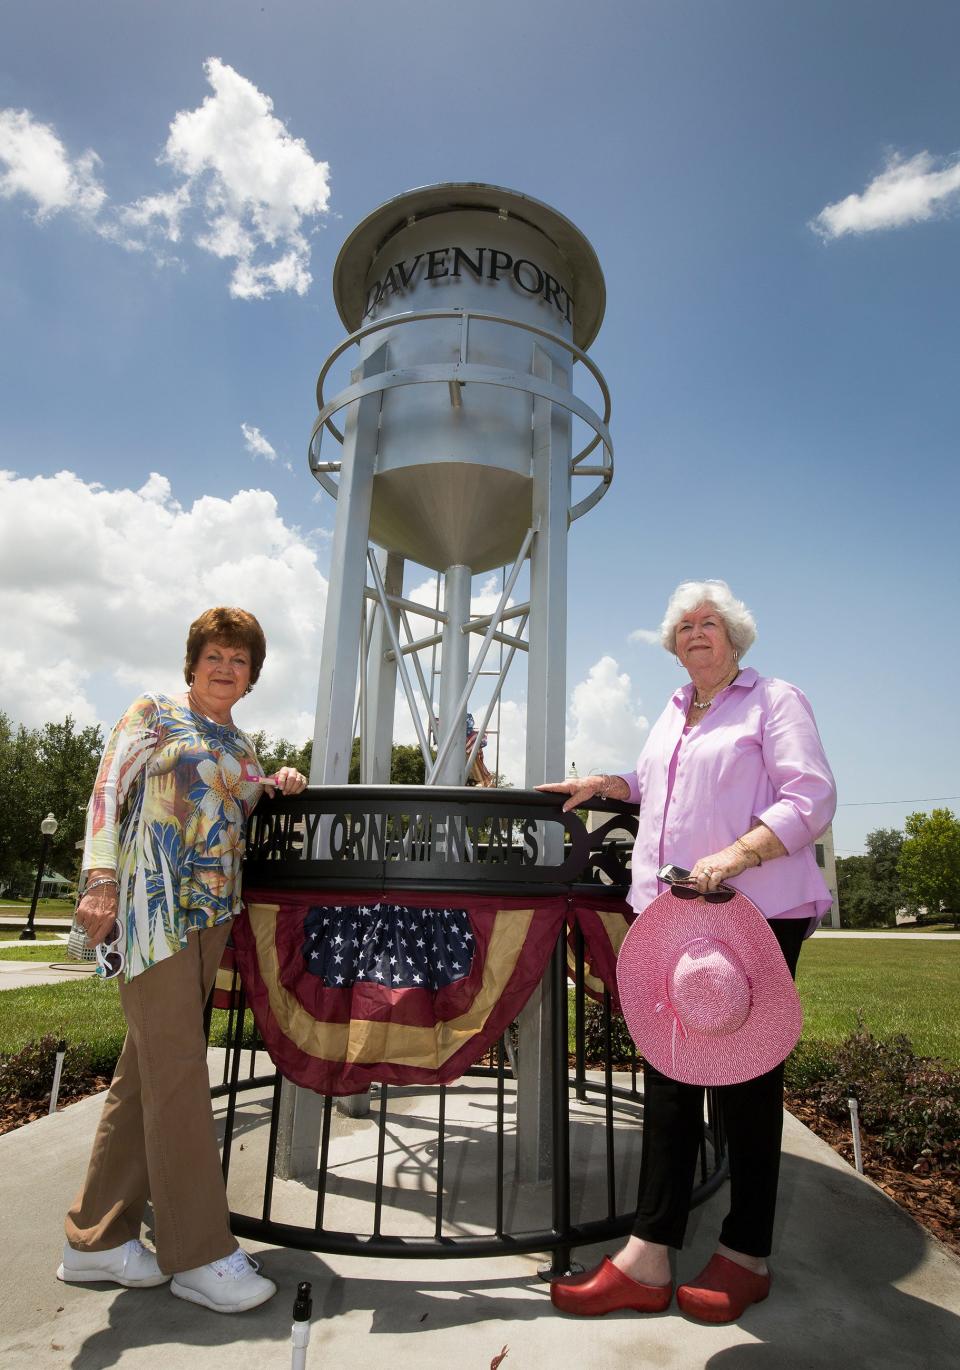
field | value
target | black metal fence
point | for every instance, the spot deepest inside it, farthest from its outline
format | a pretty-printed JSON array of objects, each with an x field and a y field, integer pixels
[{"x": 438, "y": 1171}]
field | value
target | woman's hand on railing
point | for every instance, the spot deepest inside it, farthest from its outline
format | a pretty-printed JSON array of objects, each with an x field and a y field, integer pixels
[
  {"x": 587, "y": 787},
  {"x": 288, "y": 780}
]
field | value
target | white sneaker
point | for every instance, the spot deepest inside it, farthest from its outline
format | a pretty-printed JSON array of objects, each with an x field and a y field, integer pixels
[
  {"x": 230, "y": 1285},
  {"x": 132, "y": 1265}
]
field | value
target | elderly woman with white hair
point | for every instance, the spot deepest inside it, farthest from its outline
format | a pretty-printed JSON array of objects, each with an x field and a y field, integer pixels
[{"x": 732, "y": 785}]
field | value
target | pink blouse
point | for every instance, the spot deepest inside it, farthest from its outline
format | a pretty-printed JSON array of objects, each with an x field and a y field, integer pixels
[{"x": 756, "y": 756}]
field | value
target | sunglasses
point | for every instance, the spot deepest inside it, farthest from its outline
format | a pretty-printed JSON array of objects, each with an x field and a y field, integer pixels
[
  {"x": 109, "y": 953},
  {"x": 721, "y": 896},
  {"x": 679, "y": 881}
]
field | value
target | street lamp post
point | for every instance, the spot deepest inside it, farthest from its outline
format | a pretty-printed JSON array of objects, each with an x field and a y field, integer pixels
[{"x": 48, "y": 827}]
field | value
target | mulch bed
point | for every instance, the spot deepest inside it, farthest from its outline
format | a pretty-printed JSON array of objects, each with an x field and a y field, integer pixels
[
  {"x": 15, "y": 1112},
  {"x": 929, "y": 1193}
]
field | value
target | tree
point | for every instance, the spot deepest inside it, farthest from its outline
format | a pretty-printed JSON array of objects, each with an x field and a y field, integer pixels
[
  {"x": 883, "y": 850},
  {"x": 929, "y": 862},
  {"x": 406, "y": 764},
  {"x": 274, "y": 754},
  {"x": 855, "y": 891},
  {"x": 42, "y": 770},
  {"x": 869, "y": 888}
]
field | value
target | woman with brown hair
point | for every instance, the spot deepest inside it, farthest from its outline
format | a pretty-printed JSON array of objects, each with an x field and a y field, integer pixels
[{"x": 162, "y": 869}]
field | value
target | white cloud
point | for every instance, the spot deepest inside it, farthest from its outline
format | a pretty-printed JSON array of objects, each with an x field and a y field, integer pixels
[
  {"x": 164, "y": 210},
  {"x": 651, "y": 636},
  {"x": 99, "y": 586},
  {"x": 258, "y": 185},
  {"x": 258, "y": 446},
  {"x": 103, "y": 584},
  {"x": 511, "y": 720},
  {"x": 512, "y": 760},
  {"x": 907, "y": 191},
  {"x": 248, "y": 190},
  {"x": 605, "y": 730},
  {"x": 35, "y": 163}
]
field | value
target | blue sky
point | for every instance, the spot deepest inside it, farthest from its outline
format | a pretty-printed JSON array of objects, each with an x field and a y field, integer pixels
[{"x": 783, "y": 374}]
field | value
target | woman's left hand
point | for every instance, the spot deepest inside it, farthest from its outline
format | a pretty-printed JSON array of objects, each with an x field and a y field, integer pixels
[
  {"x": 287, "y": 780},
  {"x": 711, "y": 871}
]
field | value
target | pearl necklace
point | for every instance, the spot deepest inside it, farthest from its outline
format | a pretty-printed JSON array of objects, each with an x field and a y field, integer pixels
[{"x": 706, "y": 705}]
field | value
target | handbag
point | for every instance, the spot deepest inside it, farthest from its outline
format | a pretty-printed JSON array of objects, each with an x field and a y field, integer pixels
[{"x": 77, "y": 947}]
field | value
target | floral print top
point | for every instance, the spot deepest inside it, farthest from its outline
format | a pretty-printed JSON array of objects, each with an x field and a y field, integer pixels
[{"x": 168, "y": 813}]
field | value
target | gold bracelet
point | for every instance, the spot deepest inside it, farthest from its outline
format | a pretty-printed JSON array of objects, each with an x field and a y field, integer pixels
[{"x": 750, "y": 851}]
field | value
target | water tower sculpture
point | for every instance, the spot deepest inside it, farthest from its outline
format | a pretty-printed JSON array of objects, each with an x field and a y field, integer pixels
[{"x": 452, "y": 448}]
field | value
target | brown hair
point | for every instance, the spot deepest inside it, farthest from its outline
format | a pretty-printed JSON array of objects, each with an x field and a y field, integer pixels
[{"x": 232, "y": 627}]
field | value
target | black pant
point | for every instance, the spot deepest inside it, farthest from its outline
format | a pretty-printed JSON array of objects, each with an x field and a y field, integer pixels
[{"x": 752, "y": 1115}]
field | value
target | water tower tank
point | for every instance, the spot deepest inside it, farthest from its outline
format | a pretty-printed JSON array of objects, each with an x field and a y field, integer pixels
[{"x": 467, "y": 302}]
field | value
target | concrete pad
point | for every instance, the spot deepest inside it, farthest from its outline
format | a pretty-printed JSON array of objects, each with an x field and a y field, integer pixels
[
  {"x": 857, "y": 1284},
  {"x": 411, "y": 1160}
]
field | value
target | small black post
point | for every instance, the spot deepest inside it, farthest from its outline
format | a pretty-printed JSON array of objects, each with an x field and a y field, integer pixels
[{"x": 28, "y": 934}]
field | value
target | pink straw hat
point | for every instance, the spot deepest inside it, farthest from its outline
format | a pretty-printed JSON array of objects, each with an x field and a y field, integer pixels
[{"x": 706, "y": 993}]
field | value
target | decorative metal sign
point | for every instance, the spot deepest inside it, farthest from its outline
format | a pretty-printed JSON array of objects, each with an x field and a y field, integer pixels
[{"x": 417, "y": 836}]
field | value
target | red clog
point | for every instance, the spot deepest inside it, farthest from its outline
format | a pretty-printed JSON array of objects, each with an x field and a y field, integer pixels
[
  {"x": 605, "y": 1290},
  {"x": 722, "y": 1291}
]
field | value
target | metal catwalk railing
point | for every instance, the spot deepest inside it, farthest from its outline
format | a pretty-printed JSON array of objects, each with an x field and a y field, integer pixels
[{"x": 446, "y": 1156}]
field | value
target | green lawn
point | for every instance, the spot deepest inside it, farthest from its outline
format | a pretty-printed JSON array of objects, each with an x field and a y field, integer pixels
[
  {"x": 909, "y": 987},
  {"x": 44, "y": 906},
  {"x": 83, "y": 1012},
  {"x": 26, "y": 951},
  {"x": 13, "y": 935},
  {"x": 87, "y": 1013}
]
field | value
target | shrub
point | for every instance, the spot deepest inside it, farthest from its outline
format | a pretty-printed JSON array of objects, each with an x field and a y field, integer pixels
[
  {"x": 911, "y": 1104},
  {"x": 622, "y": 1049},
  {"x": 809, "y": 1064},
  {"x": 925, "y": 1122},
  {"x": 872, "y": 1070},
  {"x": 27, "y": 1074}
]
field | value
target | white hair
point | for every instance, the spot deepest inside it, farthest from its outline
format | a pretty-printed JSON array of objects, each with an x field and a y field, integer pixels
[{"x": 740, "y": 624}]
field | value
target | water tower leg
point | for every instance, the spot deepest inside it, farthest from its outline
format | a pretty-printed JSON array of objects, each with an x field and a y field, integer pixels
[
  {"x": 377, "y": 728},
  {"x": 382, "y": 678},
  {"x": 301, "y": 1110},
  {"x": 454, "y": 669},
  {"x": 546, "y": 729},
  {"x": 336, "y": 689}
]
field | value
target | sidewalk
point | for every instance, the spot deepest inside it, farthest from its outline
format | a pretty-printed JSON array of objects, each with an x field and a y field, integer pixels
[
  {"x": 22, "y": 974},
  {"x": 830, "y": 933},
  {"x": 11, "y": 917},
  {"x": 858, "y": 1285}
]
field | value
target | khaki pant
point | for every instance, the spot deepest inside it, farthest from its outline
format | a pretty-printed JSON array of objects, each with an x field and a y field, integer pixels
[{"x": 156, "y": 1137}]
